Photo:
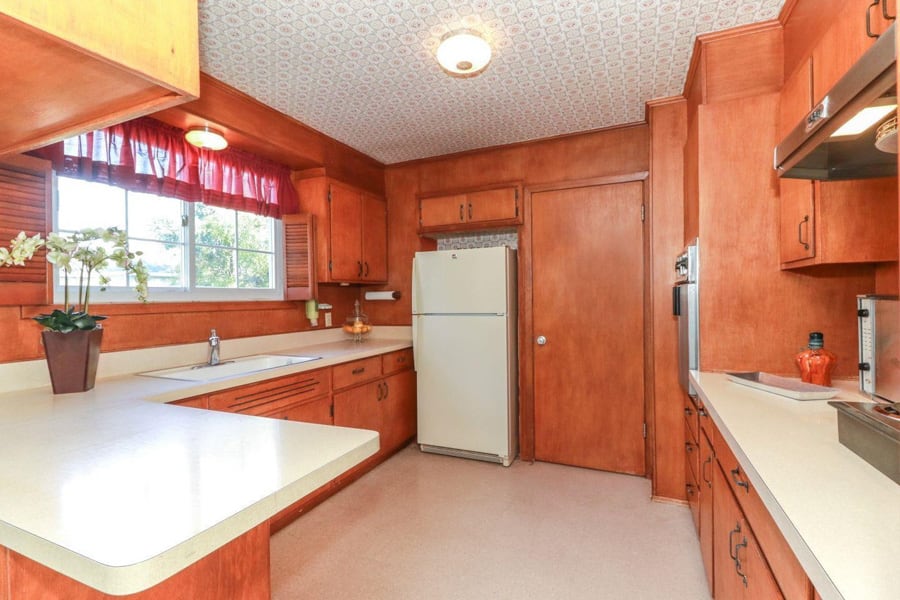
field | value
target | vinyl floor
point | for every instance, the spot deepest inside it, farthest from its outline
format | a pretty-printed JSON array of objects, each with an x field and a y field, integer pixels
[{"x": 422, "y": 526}]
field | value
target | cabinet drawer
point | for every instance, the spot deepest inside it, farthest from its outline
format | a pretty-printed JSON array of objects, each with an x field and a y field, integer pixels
[
  {"x": 693, "y": 491},
  {"x": 692, "y": 459},
  {"x": 788, "y": 573},
  {"x": 690, "y": 415},
  {"x": 358, "y": 371},
  {"x": 392, "y": 362},
  {"x": 274, "y": 394}
]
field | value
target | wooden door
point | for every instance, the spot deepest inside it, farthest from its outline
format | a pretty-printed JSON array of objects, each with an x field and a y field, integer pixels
[
  {"x": 587, "y": 280},
  {"x": 492, "y": 205},
  {"x": 797, "y": 237},
  {"x": 346, "y": 234},
  {"x": 442, "y": 210},
  {"x": 374, "y": 238}
]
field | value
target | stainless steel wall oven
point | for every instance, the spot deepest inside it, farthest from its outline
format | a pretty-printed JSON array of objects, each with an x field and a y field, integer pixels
[{"x": 686, "y": 307}]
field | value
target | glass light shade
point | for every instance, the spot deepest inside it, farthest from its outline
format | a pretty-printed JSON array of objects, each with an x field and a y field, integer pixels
[
  {"x": 863, "y": 120},
  {"x": 463, "y": 53},
  {"x": 206, "y": 137}
]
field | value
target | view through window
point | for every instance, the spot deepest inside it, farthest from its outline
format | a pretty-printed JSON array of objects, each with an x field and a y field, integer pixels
[{"x": 192, "y": 251}]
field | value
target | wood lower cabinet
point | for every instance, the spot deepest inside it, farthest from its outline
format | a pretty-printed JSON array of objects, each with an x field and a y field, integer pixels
[
  {"x": 399, "y": 409},
  {"x": 743, "y": 551},
  {"x": 239, "y": 569},
  {"x": 486, "y": 208},
  {"x": 740, "y": 569},
  {"x": 70, "y": 67},
  {"x": 193, "y": 402}
]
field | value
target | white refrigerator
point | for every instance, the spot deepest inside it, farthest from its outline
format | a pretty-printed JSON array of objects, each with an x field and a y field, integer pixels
[{"x": 464, "y": 339}]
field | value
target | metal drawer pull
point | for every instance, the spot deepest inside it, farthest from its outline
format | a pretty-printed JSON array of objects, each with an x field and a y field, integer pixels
[
  {"x": 359, "y": 268},
  {"x": 708, "y": 461},
  {"x": 735, "y": 473},
  {"x": 689, "y": 447},
  {"x": 358, "y": 370},
  {"x": 800, "y": 232},
  {"x": 884, "y": 11},
  {"x": 688, "y": 412},
  {"x": 379, "y": 395},
  {"x": 462, "y": 214},
  {"x": 869, "y": 18},
  {"x": 470, "y": 211},
  {"x": 387, "y": 390},
  {"x": 731, "y": 551},
  {"x": 737, "y": 562},
  {"x": 366, "y": 274},
  {"x": 702, "y": 412}
]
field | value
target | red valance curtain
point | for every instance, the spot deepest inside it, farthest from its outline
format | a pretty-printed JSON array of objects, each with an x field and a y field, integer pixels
[{"x": 146, "y": 155}]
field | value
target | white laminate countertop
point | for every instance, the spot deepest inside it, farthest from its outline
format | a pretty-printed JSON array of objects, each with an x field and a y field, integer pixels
[
  {"x": 838, "y": 513},
  {"x": 118, "y": 490}
]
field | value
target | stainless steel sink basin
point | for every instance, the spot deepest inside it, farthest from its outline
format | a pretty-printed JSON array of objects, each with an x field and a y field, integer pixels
[{"x": 231, "y": 368}]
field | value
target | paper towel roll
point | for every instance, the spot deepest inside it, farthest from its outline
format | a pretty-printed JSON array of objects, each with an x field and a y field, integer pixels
[{"x": 386, "y": 295}]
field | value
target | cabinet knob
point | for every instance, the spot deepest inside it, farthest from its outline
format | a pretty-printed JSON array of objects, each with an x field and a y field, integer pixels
[{"x": 541, "y": 340}]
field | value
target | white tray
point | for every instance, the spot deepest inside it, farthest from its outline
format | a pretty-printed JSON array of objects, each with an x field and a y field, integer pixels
[{"x": 783, "y": 386}]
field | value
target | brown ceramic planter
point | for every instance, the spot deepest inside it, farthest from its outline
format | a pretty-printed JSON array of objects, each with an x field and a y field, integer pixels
[{"x": 72, "y": 359}]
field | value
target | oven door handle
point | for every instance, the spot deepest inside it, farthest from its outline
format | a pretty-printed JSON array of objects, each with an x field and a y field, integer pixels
[{"x": 676, "y": 301}]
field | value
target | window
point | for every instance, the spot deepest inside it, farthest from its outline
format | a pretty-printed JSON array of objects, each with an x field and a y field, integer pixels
[{"x": 192, "y": 251}]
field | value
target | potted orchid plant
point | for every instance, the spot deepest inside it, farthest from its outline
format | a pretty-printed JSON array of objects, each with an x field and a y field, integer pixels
[{"x": 72, "y": 335}]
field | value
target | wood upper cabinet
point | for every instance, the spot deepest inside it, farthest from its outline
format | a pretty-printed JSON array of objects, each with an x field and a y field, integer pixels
[
  {"x": 351, "y": 230},
  {"x": 69, "y": 67},
  {"x": 496, "y": 206},
  {"x": 831, "y": 222},
  {"x": 25, "y": 193}
]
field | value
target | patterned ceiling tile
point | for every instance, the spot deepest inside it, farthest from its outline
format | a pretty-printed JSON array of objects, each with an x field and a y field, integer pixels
[{"x": 363, "y": 71}]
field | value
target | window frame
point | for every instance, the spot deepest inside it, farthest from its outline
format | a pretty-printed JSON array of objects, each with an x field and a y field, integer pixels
[{"x": 191, "y": 293}]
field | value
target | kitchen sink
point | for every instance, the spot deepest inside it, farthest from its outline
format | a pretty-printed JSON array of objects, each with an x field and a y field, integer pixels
[{"x": 230, "y": 368}]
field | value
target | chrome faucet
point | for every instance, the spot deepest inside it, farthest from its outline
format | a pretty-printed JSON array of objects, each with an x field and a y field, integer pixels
[{"x": 213, "y": 349}]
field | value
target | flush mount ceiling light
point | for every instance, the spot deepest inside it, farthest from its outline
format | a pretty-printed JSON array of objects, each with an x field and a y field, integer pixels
[
  {"x": 206, "y": 137},
  {"x": 463, "y": 53}
]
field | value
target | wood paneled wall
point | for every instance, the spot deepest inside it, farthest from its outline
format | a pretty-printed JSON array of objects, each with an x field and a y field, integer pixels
[
  {"x": 133, "y": 326},
  {"x": 668, "y": 133},
  {"x": 567, "y": 158},
  {"x": 755, "y": 317}
]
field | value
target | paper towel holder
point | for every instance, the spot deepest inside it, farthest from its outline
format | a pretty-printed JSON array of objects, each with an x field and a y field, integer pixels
[{"x": 384, "y": 295}]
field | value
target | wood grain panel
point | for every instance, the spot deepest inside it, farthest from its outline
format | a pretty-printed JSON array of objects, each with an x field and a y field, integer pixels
[
  {"x": 442, "y": 210},
  {"x": 589, "y": 398},
  {"x": 194, "y": 402},
  {"x": 314, "y": 410},
  {"x": 856, "y": 220},
  {"x": 841, "y": 46},
  {"x": 393, "y": 362},
  {"x": 4, "y": 573},
  {"x": 744, "y": 61},
  {"x": 500, "y": 204},
  {"x": 346, "y": 233},
  {"x": 25, "y": 193},
  {"x": 796, "y": 99},
  {"x": 668, "y": 131},
  {"x": 805, "y": 21},
  {"x": 765, "y": 310},
  {"x": 254, "y": 127},
  {"x": 273, "y": 394},
  {"x": 359, "y": 407},
  {"x": 239, "y": 569},
  {"x": 374, "y": 237}
]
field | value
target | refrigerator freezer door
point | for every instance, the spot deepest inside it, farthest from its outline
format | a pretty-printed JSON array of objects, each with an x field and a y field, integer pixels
[
  {"x": 460, "y": 281},
  {"x": 465, "y": 406}
]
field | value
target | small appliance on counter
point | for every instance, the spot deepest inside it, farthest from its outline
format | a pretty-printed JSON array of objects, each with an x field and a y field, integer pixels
[{"x": 872, "y": 429}]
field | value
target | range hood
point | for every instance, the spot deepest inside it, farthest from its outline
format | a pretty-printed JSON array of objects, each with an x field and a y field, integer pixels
[{"x": 810, "y": 152}]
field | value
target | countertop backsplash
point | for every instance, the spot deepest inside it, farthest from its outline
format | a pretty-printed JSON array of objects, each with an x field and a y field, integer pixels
[{"x": 487, "y": 239}]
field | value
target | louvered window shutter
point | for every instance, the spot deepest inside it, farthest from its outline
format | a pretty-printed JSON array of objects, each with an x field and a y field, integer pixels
[
  {"x": 25, "y": 193},
  {"x": 299, "y": 256}
]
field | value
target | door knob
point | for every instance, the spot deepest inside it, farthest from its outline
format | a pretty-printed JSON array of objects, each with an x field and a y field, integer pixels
[{"x": 541, "y": 340}]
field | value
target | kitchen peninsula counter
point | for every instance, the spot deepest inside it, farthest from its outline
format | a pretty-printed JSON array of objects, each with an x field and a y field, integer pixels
[
  {"x": 118, "y": 490},
  {"x": 838, "y": 514}
]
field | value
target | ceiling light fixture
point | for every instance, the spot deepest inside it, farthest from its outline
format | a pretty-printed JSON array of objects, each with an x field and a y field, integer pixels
[
  {"x": 463, "y": 53},
  {"x": 206, "y": 137}
]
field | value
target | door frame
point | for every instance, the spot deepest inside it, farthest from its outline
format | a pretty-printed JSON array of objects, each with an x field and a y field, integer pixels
[{"x": 526, "y": 307}]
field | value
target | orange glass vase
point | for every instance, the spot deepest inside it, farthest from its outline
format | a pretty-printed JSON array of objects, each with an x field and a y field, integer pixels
[{"x": 816, "y": 363}]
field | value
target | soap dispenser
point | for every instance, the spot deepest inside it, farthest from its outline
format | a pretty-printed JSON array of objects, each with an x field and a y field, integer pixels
[{"x": 816, "y": 363}]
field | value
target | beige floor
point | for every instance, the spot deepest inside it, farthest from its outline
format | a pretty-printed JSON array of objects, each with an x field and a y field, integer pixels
[{"x": 432, "y": 527}]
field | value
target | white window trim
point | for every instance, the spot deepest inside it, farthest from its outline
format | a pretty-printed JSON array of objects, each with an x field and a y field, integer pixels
[{"x": 122, "y": 295}]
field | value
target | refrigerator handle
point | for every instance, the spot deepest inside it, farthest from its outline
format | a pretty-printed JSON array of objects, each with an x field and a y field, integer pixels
[{"x": 415, "y": 342}]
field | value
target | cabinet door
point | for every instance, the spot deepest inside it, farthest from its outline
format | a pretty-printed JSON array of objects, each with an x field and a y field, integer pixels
[
  {"x": 398, "y": 401},
  {"x": 374, "y": 238},
  {"x": 359, "y": 407},
  {"x": 707, "y": 465},
  {"x": 493, "y": 205},
  {"x": 856, "y": 220},
  {"x": 442, "y": 210},
  {"x": 346, "y": 233},
  {"x": 317, "y": 410},
  {"x": 796, "y": 98},
  {"x": 299, "y": 257},
  {"x": 797, "y": 238},
  {"x": 842, "y": 45}
]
